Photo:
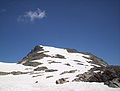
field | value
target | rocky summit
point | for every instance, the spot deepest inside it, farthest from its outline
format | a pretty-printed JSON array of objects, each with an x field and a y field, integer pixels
[{"x": 45, "y": 67}]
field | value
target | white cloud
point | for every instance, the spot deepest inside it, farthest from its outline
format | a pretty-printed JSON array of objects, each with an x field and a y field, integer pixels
[{"x": 32, "y": 15}]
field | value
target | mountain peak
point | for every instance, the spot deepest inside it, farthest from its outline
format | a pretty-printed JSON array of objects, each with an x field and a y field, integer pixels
[{"x": 40, "y": 52}]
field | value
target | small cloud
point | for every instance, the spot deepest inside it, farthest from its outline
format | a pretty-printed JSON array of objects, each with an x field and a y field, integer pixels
[{"x": 32, "y": 15}]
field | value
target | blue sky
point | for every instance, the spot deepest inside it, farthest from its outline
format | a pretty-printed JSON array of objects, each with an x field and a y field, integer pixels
[{"x": 86, "y": 25}]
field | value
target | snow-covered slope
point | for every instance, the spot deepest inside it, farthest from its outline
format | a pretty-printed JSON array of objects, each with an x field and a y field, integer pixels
[
  {"x": 60, "y": 60},
  {"x": 50, "y": 69}
]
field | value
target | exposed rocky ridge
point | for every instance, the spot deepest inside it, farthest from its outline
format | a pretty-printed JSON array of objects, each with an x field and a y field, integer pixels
[
  {"x": 33, "y": 55},
  {"x": 96, "y": 60}
]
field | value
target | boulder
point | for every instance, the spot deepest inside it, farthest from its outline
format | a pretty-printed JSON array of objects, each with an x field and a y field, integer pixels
[
  {"x": 61, "y": 81},
  {"x": 67, "y": 64}
]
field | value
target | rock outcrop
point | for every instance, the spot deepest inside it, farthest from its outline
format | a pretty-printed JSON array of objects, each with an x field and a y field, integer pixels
[
  {"x": 33, "y": 55},
  {"x": 110, "y": 75},
  {"x": 41, "y": 68},
  {"x": 13, "y": 73}
]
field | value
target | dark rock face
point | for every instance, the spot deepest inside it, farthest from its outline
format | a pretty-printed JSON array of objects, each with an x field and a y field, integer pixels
[
  {"x": 36, "y": 49},
  {"x": 106, "y": 74},
  {"x": 33, "y": 55},
  {"x": 110, "y": 75}
]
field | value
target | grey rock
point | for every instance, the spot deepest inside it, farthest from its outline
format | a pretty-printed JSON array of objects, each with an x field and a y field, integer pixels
[
  {"x": 34, "y": 64},
  {"x": 13, "y": 73},
  {"x": 36, "y": 82},
  {"x": 36, "y": 49},
  {"x": 40, "y": 68},
  {"x": 59, "y": 56},
  {"x": 61, "y": 81},
  {"x": 53, "y": 62},
  {"x": 49, "y": 76},
  {"x": 67, "y": 64},
  {"x": 18, "y": 72},
  {"x": 71, "y": 71},
  {"x": 4, "y": 73},
  {"x": 50, "y": 70},
  {"x": 36, "y": 75}
]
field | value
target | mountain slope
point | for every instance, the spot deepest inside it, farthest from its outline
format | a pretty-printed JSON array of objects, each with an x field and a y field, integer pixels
[
  {"x": 51, "y": 68},
  {"x": 64, "y": 61}
]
